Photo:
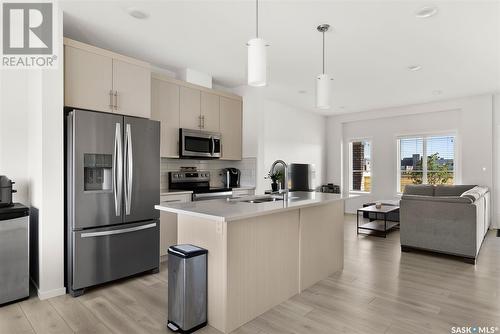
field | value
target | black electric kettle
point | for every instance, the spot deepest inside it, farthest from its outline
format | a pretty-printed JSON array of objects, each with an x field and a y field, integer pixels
[{"x": 6, "y": 191}]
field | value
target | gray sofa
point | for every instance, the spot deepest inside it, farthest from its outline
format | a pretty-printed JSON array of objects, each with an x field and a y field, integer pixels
[{"x": 446, "y": 219}]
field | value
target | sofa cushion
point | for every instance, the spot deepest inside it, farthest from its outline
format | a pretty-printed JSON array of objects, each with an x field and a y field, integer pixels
[
  {"x": 451, "y": 190},
  {"x": 419, "y": 189}
]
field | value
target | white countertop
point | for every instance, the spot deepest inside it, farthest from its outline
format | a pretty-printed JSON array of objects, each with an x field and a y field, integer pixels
[
  {"x": 224, "y": 210},
  {"x": 243, "y": 187}
]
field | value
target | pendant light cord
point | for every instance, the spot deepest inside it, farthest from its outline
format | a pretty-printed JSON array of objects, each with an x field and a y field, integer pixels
[
  {"x": 257, "y": 18},
  {"x": 323, "y": 52}
]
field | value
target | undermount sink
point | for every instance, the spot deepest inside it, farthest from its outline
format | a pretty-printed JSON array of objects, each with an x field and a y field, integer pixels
[{"x": 263, "y": 200}]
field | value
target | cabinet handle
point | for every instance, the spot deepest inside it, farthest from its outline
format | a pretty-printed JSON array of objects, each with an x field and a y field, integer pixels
[
  {"x": 116, "y": 99},
  {"x": 111, "y": 105},
  {"x": 203, "y": 121},
  {"x": 199, "y": 121}
]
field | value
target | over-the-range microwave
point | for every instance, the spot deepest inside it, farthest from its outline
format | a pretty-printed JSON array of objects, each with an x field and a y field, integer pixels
[{"x": 199, "y": 144}]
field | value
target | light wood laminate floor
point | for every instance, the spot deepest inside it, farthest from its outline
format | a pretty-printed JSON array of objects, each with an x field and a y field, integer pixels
[{"x": 381, "y": 290}]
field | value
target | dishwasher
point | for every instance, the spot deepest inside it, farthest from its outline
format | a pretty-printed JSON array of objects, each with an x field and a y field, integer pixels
[{"x": 14, "y": 253}]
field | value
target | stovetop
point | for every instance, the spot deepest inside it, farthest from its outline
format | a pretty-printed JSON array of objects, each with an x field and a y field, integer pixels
[{"x": 196, "y": 181}]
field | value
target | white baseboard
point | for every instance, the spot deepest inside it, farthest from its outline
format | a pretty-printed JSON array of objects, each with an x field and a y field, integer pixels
[{"x": 51, "y": 293}]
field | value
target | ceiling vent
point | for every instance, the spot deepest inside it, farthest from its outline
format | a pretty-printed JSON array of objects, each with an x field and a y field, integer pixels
[{"x": 196, "y": 77}]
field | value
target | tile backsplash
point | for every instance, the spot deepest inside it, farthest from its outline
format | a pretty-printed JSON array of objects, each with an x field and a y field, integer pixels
[{"x": 248, "y": 167}]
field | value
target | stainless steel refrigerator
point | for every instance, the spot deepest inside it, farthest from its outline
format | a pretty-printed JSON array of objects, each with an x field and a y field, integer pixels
[{"x": 112, "y": 186}]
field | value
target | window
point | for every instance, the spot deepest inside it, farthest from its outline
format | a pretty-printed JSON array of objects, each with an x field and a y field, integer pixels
[
  {"x": 437, "y": 168},
  {"x": 360, "y": 166}
]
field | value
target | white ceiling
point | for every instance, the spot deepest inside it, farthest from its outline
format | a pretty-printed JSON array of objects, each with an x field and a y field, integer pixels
[{"x": 368, "y": 51}]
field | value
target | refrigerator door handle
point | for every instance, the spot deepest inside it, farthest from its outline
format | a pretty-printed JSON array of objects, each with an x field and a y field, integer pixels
[
  {"x": 112, "y": 232},
  {"x": 129, "y": 169},
  {"x": 117, "y": 168}
]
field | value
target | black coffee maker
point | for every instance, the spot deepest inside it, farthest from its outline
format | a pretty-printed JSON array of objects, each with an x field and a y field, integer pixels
[
  {"x": 6, "y": 191},
  {"x": 231, "y": 177}
]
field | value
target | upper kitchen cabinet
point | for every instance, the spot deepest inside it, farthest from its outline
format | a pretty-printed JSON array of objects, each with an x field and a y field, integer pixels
[
  {"x": 88, "y": 80},
  {"x": 101, "y": 80},
  {"x": 165, "y": 108},
  {"x": 178, "y": 104},
  {"x": 132, "y": 86},
  {"x": 210, "y": 112},
  {"x": 199, "y": 109},
  {"x": 231, "y": 118},
  {"x": 190, "y": 107}
]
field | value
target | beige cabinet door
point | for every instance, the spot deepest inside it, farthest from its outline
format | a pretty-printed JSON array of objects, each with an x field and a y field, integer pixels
[
  {"x": 231, "y": 128},
  {"x": 210, "y": 112},
  {"x": 165, "y": 108},
  {"x": 190, "y": 108},
  {"x": 168, "y": 231},
  {"x": 132, "y": 84},
  {"x": 87, "y": 80}
]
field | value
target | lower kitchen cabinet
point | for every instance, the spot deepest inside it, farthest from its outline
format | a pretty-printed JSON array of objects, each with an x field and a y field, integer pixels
[
  {"x": 168, "y": 231},
  {"x": 168, "y": 221}
]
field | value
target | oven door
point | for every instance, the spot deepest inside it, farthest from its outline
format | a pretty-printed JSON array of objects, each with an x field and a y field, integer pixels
[{"x": 195, "y": 143}]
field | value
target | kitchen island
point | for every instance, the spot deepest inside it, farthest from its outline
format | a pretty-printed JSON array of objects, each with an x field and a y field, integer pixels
[{"x": 262, "y": 252}]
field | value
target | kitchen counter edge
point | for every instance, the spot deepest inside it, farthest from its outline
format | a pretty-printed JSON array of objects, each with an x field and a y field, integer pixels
[{"x": 251, "y": 212}]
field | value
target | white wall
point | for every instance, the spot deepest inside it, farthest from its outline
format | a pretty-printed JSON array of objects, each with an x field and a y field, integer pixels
[
  {"x": 31, "y": 153},
  {"x": 496, "y": 162},
  {"x": 272, "y": 130},
  {"x": 470, "y": 118},
  {"x": 14, "y": 139},
  {"x": 51, "y": 230}
]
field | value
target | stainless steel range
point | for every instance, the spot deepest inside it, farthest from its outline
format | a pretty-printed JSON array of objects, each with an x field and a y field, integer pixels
[{"x": 198, "y": 182}]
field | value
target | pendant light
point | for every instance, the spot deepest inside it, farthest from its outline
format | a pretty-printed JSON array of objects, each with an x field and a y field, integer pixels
[
  {"x": 257, "y": 56},
  {"x": 323, "y": 80}
]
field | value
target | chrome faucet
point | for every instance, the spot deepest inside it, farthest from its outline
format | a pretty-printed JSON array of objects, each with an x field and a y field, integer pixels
[{"x": 285, "y": 177}]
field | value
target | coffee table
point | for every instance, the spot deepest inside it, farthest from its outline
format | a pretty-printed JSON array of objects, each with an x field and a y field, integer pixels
[{"x": 378, "y": 226}]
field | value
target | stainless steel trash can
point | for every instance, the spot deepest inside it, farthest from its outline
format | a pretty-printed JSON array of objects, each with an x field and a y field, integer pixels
[{"x": 187, "y": 288}]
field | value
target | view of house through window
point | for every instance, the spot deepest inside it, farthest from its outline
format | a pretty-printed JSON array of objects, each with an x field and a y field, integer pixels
[
  {"x": 437, "y": 168},
  {"x": 360, "y": 166}
]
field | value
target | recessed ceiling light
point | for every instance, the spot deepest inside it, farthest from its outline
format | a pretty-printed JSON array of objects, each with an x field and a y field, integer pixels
[
  {"x": 414, "y": 68},
  {"x": 302, "y": 91},
  {"x": 137, "y": 13},
  {"x": 426, "y": 12}
]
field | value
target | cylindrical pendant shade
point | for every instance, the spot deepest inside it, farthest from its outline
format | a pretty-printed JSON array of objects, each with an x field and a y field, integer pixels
[
  {"x": 323, "y": 91},
  {"x": 257, "y": 62}
]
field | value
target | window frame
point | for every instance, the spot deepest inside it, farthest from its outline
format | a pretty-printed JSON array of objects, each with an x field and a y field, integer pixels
[
  {"x": 350, "y": 170},
  {"x": 425, "y": 137}
]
